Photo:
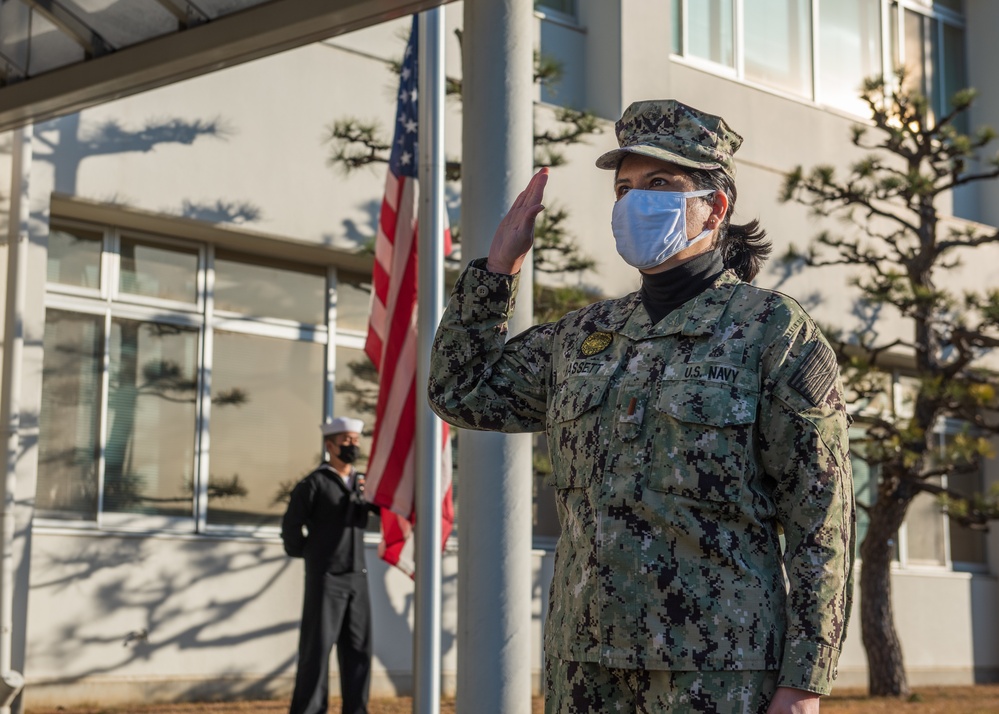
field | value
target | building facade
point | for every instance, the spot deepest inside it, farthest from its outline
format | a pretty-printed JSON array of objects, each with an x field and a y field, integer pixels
[{"x": 196, "y": 302}]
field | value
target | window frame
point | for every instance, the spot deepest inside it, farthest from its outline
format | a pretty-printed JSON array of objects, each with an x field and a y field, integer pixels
[
  {"x": 108, "y": 303},
  {"x": 550, "y": 13},
  {"x": 102, "y": 263},
  {"x": 236, "y": 317},
  {"x": 944, "y": 429},
  {"x": 116, "y": 294},
  {"x": 722, "y": 70},
  {"x": 898, "y": 406},
  {"x": 943, "y": 16}
]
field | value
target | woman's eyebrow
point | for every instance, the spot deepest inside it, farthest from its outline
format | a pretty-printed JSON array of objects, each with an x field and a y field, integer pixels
[
  {"x": 659, "y": 172},
  {"x": 648, "y": 175}
]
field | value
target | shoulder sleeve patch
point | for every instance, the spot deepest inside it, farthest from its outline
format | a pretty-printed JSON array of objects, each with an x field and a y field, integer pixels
[{"x": 816, "y": 374}]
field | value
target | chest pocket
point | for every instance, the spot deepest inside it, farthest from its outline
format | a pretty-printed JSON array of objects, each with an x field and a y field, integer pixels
[
  {"x": 576, "y": 444},
  {"x": 704, "y": 439}
]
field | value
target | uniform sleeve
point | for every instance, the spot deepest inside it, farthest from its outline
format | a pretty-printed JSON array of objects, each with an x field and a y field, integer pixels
[
  {"x": 805, "y": 450},
  {"x": 360, "y": 508},
  {"x": 478, "y": 380},
  {"x": 296, "y": 515}
]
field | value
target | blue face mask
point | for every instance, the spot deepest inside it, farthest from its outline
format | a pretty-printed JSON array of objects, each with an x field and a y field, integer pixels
[{"x": 650, "y": 227}]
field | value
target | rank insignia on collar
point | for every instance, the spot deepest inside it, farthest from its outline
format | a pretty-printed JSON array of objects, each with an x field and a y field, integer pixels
[{"x": 597, "y": 342}]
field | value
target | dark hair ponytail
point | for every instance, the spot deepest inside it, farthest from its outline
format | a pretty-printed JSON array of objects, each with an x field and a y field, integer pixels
[{"x": 744, "y": 247}]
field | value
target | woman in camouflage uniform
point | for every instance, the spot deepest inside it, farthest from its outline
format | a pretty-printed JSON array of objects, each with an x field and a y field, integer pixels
[{"x": 690, "y": 425}]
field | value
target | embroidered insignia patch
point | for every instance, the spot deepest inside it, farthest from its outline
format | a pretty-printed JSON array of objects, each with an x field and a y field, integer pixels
[
  {"x": 815, "y": 374},
  {"x": 597, "y": 342}
]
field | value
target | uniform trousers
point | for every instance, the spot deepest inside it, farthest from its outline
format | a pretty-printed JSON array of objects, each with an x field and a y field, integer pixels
[
  {"x": 591, "y": 688},
  {"x": 336, "y": 610}
]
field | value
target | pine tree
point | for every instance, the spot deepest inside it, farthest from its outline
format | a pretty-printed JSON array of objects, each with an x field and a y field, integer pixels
[{"x": 901, "y": 245}]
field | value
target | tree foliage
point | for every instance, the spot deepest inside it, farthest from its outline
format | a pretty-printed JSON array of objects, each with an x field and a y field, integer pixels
[{"x": 901, "y": 246}]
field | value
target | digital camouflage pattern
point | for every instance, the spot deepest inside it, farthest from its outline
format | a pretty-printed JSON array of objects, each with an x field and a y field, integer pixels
[
  {"x": 673, "y": 132},
  {"x": 588, "y": 688},
  {"x": 679, "y": 451}
]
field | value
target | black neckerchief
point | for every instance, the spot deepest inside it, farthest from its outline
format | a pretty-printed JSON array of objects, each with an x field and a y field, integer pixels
[{"x": 662, "y": 293}]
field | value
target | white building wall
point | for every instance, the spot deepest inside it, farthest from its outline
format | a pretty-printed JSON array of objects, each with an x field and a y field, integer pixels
[{"x": 119, "y": 618}]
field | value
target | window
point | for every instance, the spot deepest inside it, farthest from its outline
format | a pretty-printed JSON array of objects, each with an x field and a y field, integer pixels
[
  {"x": 924, "y": 531},
  {"x": 183, "y": 386},
  {"x": 266, "y": 407},
  {"x": 823, "y": 50},
  {"x": 966, "y": 546},
  {"x": 74, "y": 257},
  {"x": 934, "y": 538},
  {"x": 929, "y": 537},
  {"x": 262, "y": 288},
  {"x": 151, "y": 408},
  {"x": 930, "y": 45},
  {"x": 865, "y": 483},
  {"x": 767, "y": 42},
  {"x": 849, "y": 51},
  {"x": 710, "y": 30},
  {"x": 778, "y": 44},
  {"x": 353, "y": 297},
  {"x": 68, "y": 457},
  {"x": 566, "y": 8},
  {"x": 161, "y": 272}
]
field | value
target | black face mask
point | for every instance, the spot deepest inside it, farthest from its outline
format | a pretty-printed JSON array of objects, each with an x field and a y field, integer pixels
[{"x": 348, "y": 453}]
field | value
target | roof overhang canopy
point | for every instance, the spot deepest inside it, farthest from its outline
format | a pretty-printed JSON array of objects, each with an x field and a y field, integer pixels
[{"x": 60, "y": 56}]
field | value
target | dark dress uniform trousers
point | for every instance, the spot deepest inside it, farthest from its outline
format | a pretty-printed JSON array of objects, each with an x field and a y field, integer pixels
[{"x": 336, "y": 610}]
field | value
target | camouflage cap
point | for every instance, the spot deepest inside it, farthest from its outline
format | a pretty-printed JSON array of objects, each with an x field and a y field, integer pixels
[{"x": 668, "y": 130}]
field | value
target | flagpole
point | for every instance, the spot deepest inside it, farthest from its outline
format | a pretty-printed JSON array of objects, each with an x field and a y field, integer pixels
[{"x": 430, "y": 270}]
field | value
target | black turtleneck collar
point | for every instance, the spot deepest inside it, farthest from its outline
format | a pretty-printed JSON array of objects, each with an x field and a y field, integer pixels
[{"x": 662, "y": 293}]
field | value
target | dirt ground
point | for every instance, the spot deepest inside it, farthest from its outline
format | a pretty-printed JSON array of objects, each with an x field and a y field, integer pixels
[{"x": 981, "y": 699}]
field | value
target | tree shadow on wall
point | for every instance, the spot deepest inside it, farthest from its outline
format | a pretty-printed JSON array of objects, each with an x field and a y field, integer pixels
[
  {"x": 789, "y": 266},
  {"x": 359, "y": 235},
  {"x": 70, "y": 142},
  {"x": 140, "y": 611},
  {"x": 237, "y": 212},
  {"x": 119, "y": 603},
  {"x": 399, "y": 620}
]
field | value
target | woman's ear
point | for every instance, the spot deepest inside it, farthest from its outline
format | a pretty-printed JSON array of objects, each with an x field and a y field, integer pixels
[{"x": 719, "y": 207}]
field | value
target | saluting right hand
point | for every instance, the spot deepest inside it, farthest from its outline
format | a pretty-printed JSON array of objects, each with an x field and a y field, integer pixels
[{"x": 515, "y": 235}]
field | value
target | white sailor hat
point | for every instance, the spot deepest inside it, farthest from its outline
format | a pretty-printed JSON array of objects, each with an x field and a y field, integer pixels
[{"x": 341, "y": 424}]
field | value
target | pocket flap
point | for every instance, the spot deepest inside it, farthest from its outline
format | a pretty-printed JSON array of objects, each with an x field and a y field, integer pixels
[
  {"x": 577, "y": 395},
  {"x": 710, "y": 403}
]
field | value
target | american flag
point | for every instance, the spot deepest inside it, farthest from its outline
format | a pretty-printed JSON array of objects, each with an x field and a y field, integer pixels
[{"x": 391, "y": 342}]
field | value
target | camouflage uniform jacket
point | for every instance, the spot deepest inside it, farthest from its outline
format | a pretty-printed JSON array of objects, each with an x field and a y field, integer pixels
[{"x": 679, "y": 453}]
